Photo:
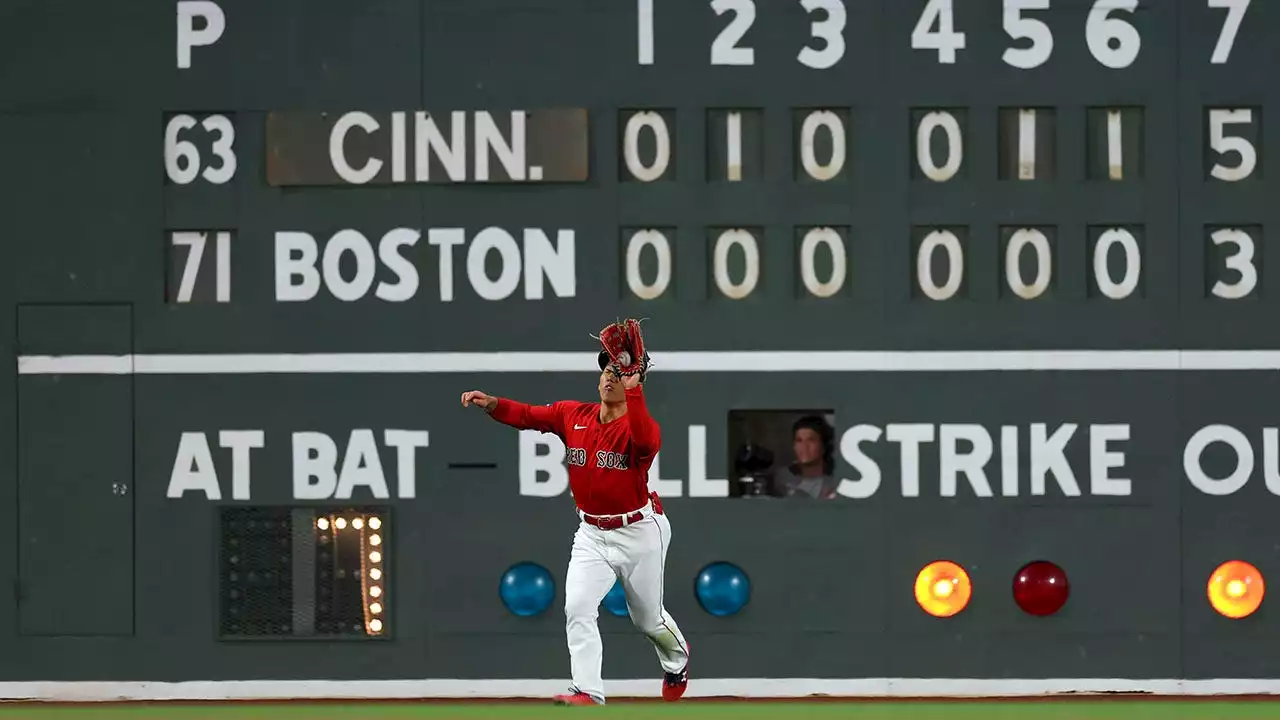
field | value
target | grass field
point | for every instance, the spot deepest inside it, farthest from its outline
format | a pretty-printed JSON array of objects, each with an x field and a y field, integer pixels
[{"x": 1090, "y": 709}]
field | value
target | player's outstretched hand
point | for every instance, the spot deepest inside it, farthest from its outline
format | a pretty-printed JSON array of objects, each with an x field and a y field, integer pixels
[
  {"x": 630, "y": 381},
  {"x": 479, "y": 399}
]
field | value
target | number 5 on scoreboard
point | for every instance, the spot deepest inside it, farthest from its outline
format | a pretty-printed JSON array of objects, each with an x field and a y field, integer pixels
[{"x": 188, "y": 276}]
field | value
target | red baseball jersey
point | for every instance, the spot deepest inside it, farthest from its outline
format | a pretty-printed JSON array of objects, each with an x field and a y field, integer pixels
[{"x": 608, "y": 462}]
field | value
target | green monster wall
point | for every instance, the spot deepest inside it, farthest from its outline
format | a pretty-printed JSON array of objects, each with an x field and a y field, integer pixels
[{"x": 1020, "y": 260}]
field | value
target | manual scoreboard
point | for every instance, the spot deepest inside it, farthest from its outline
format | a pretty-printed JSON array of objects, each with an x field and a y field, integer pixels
[{"x": 974, "y": 173}]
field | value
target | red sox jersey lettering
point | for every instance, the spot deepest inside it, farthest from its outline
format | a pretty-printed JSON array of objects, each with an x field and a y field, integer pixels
[
  {"x": 611, "y": 460},
  {"x": 608, "y": 463},
  {"x": 604, "y": 459}
]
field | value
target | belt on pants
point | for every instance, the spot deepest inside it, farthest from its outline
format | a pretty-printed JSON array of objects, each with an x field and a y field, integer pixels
[{"x": 613, "y": 522}]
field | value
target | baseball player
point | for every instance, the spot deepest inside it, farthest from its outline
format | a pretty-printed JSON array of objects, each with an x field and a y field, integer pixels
[{"x": 623, "y": 533}]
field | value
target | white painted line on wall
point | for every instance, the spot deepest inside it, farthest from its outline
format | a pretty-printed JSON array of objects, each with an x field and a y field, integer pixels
[
  {"x": 676, "y": 361},
  {"x": 780, "y": 688}
]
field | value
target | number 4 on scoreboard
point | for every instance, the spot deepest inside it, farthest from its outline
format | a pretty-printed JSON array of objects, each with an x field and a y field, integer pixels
[{"x": 945, "y": 39}]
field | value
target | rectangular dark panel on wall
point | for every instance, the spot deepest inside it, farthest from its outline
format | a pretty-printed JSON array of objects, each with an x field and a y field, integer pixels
[
  {"x": 75, "y": 476},
  {"x": 303, "y": 572}
]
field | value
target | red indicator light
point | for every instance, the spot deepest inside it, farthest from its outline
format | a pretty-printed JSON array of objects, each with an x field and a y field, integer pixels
[{"x": 1041, "y": 588}]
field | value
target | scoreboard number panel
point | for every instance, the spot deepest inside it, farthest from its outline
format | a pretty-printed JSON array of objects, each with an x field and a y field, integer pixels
[
  {"x": 1231, "y": 154},
  {"x": 648, "y": 265},
  {"x": 823, "y": 270},
  {"x": 940, "y": 142},
  {"x": 199, "y": 267},
  {"x": 199, "y": 149},
  {"x": 648, "y": 145},
  {"x": 736, "y": 271},
  {"x": 1116, "y": 143},
  {"x": 1116, "y": 255},
  {"x": 940, "y": 265},
  {"x": 1235, "y": 262},
  {"x": 1028, "y": 143},
  {"x": 822, "y": 137},
  {"x": 1027, "y": 261}
]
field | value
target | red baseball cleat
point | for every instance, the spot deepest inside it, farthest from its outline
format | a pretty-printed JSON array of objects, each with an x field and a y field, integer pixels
[
  {"x": 674, "y": 684},
  {"x": 575, "y": 698}
]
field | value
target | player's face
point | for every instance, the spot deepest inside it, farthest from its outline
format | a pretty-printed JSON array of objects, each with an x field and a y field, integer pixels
[
  {"x": 808, "y": 446},
  {"x": 610, "y": 387}
]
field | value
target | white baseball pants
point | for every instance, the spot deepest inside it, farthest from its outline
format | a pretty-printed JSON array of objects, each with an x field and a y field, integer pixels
[{"x": 636, "y": 555}]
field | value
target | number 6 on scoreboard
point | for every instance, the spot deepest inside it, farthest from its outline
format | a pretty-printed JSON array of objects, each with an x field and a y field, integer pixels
[{"x": 1101, "y": 30}]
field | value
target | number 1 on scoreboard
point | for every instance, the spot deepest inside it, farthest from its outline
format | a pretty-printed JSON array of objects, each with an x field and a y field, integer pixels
[{"x": 644, "y": 17}]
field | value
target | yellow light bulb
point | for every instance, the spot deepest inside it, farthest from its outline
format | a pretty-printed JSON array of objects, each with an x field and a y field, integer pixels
[
  {"x": 322, "y": 523},
  {"x": 375, "y": 625},
  {"x": 375, "y": 608},
  {"x": 942, "y": 588},
  {"x": 375, "y": 540},
  {"x": 357, "y": 523},
  {"x": 375, "y": 556},
  {"x": 375, "y": 523},
  {"x": 340, "y": 523},
  {"x": 375, "y": 574},
  {"x": 1235, "y": 588}
]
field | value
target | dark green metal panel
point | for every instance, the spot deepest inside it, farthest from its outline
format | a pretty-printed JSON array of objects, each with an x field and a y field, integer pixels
[
  {"x": 8, "y": 464},
  {"x": 75, "y": 481}
]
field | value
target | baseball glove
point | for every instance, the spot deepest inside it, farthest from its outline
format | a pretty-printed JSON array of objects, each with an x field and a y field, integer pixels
[{"x": 623, "y": 349}]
